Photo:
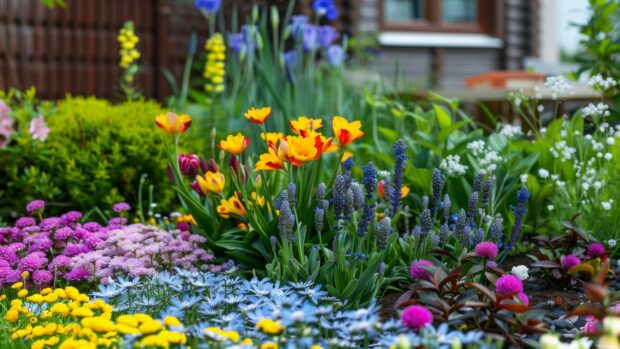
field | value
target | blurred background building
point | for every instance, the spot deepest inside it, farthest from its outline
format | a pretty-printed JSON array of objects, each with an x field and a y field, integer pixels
[{"x": 430, "y": 43}]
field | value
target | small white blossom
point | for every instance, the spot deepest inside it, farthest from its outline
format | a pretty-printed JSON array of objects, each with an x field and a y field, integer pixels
[
  {"x": 520, "y": 271},
  {"x": 597, "y": 185},
  {"x": 611, "y": 140},
  {"x": 452, "y": 166},
  {"x": 558, "y": 86},
  {"x": 542, "y": 173},
  {"x": 599, "y": 82},
  {"x": 607, "y": 205},
  {"x": 550, "y": 207},
  {"x": 601, "y": 109},
  {"x": 524, "y": 178},
  {"x": 511, "y": 131},
  {"x": 608, "y": 156},
  {"x": 540, "y": 108},
  {"x": 611, "y": 243}
]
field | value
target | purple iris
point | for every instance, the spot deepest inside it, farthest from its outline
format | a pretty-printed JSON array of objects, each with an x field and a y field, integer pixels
[
  {"x": 298, "y": 23},
  {"x": 327, "y": 35},
  {"x": 326, "y": 8},
  {"x": 291, "y": 59},
  {"x": 335, "y": 55},
  {"x": 311, "y": 37},
  {"x": 211, "y": 6},
  {"x": 236, "y": 42}
]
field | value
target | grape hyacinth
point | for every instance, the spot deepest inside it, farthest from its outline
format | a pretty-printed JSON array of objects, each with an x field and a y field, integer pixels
[
  {"x": 400, "y": 157},
  {"x": 495, "y": 232},
  {"x": 522, "y": 196},
  {"x": 437, "y": 180}
]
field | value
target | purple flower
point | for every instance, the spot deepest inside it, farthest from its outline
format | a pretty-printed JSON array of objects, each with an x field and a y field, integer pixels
[
  {"x": 50, "y": 223},
  {"x": 41, "y": 277},
  {"x": 92, "y": 226},
  {"x": 417, "y": 272},
  {"x": 291, "y": 59},
  {"x": 8, "y": 276},
  {"x": 570, "y": 261},
  {"x": 298, "y": 23},
  {"x": 121, "y": 207},
  {"x": 325, "y": 8},
  {"x": 77, "y": 274},
  {"x": 59, "y": 262},
  {"x": 32, "y": 262},
  {"x": 335, "y": 55},
  {"x": 486, "y": 249},
  {"x": 117, "y": 221},
  {"x": 35, "y": 206},
  {"x": 327, "y": 35},
  {"x": 71, "y": 217},
  {"x": 508, "y": 284},
  {"x": 596, "y": 250},
  {"x": 38, "y": 130},
  {"x": 416, "y": 317},
  {"x": 211, "y": 6},
  {"x": 63, "y": 234},
  {"x": 311, "y": 38},
  {"x": 235, "y": 42}
]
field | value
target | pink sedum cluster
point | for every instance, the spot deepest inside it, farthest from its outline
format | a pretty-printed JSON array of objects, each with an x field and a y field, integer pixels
[{"x": 138, "y": 250}]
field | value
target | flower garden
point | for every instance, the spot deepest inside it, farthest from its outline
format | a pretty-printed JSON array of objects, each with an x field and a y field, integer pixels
[{"x": 272, "y": 204}]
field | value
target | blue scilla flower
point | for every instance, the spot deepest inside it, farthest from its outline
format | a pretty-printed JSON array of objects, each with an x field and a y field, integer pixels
[
  {"x": 310, "y": 40},
  {"x": 325, "y": 8},
  {"x": 211, "y": 6},
  {"x": 236, "y": 42},
  {"x": 327, "y": 35},
  {"x": 297, "y": 25}
]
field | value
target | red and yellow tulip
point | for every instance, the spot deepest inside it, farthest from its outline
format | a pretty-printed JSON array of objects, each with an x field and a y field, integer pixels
[
  {"x": 345, "y": 131},
  {"x": 305, "y": 124},
  {"x": 258, "y": 116},
  {"x": 173, "y": 123},
  {"x": 298, "y": 150},
  {"x": 272, "y": 138},
  {"x": 212, "y": 182},
  {"x": 234, "y": 144},
  {"x": 232, "y": 206},
  {"x": 269, "y": 161}
]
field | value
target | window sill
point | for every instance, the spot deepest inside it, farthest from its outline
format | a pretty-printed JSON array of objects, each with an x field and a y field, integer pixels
[{"x": 454, "y": 40}]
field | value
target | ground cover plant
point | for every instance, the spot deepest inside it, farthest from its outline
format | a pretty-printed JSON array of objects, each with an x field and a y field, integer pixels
[{"x": 272, "y": 204}]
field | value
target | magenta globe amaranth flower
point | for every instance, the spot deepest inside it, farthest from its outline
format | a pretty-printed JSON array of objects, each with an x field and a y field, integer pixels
[
  {"x": 416, "y": 317},
  {"x": 35, "y": 205},
  {"x": 570, "y": 261},
  {"x": 189, "y": 164},
  {"x": 596, "y": 250},
  {"x": 508, "y": 284},
  {"x": 524, "y": 298},
  {"x": 417, "y": 271},
  {"x": 486, "y": 249}
]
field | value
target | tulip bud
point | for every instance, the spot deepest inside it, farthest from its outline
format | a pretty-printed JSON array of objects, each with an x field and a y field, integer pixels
[
  {"x": 197, "y": 188},
  {"x": 233, "y": 162},
  {"x": 212, "y": 166},
  {"x": 170, "y": 174},
  {"x": 258, "y": 181},
  {"x": 275, "y": 17},
  {"x": 189, "y": 164}
]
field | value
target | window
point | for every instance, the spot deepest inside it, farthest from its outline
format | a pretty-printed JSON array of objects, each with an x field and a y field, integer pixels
[{"x": 458, "y": 16}]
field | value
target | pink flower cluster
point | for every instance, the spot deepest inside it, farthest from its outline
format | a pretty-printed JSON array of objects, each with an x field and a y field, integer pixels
[
  {"x": 138, "y": 250},
  {"x": 63, "y": 248}
]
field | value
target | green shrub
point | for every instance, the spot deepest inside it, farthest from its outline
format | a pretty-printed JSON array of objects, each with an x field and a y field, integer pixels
[{"x": 94, "y": 156}]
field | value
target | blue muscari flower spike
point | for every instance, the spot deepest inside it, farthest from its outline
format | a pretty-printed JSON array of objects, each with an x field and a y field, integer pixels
[
  {"x": 341, "y": 186},
  {"x": 435, "y": 240},
  {"x": 348, "y": 208},
  {"x": 369, "y": 179},
  {"x": 522, "y": 196},
  {"x": 478, "y": 182},
  {"x": 282, "y": 198},
  {"x": 320, "y": 193},
  {"x": 358, "y": 196},
  {"x": 444, "y": 233},
  {"x": 286, "y": 220},
  {"x": 461, "y": 222},
  {"x": 466, "y": 236},
  {"x": 425, "y": 201},
  {"x": 472, "y": 209},
  {"x": 400, "y": 161},
  {"x": 318, "y": 219},
  {"x": 446, "y": 208},
  {"x": 477, "y": 237},
  {"x": 495, "y": 232},
  {"x": 291, "y": 190},
  {"x": 437, "y": 180},
  {"x": 426, "y": 221},
  {"x": 487, "y": 188},
  {"x": 385, "y": 229},
  {"x": 348, "y": 164},
  {"x": 416, "y": 232}
]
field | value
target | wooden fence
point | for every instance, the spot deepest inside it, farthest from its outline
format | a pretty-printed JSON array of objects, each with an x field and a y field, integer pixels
[{"x": 74, "y": 50}]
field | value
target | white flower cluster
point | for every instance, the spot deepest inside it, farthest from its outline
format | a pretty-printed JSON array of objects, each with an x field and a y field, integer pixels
[
  {"x": 542, "y": 173},
  {"x": 511, "y": 131},
  {"x": 607, "y": 204},
  {"x": 487, "y": 159},
  {"x": 600, "y": 109},
  {"x": 520, "y": 271},
  {"x": 452, "y": 166},
  {"x": 558, "y": 86},
  {"x": 561, "y": 148},
  {"x": 599, "y": 82}
]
